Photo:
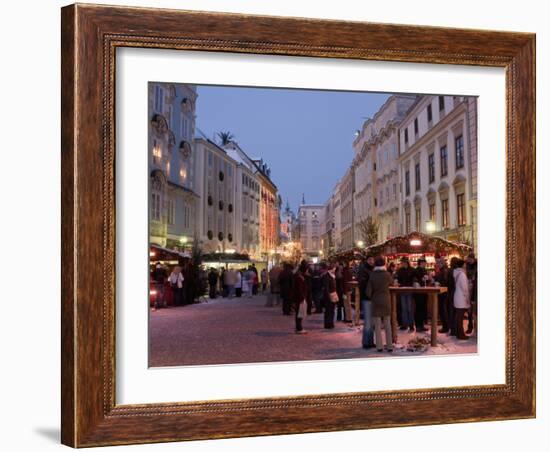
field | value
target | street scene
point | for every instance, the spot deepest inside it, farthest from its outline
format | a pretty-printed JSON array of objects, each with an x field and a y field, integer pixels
[{"x": 297, "y": 225}]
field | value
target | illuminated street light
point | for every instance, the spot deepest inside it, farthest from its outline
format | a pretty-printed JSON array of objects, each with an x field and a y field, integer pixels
[
  {"x": 183, "y": 239},
  {"x": 430, "y": 226},
  {"x": 360, "y": 243}
]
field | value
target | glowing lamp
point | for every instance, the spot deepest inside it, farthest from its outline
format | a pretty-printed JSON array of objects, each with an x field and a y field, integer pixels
[{"x": 416, "y": 242}]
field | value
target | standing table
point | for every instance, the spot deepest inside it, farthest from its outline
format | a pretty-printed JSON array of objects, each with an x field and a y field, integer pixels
[{"x": 432, "y": 292}]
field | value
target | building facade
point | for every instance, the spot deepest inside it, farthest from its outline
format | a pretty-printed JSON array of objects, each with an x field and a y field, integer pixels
[
  {"x": 437, "y": 161},
  {"x": 310, "y": 221},
  {"x": 172, "y": 165},
  {"x": 217, "y": 177},
  {"x": 375, "y": 166}
]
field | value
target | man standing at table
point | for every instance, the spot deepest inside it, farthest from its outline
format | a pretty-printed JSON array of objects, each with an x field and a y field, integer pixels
[{"x": 421, "y": 299}]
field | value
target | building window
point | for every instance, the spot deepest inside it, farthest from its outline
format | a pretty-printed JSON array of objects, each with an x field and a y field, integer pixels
[
  {"x": 171, "y": 216},
  {"x": 159, "y": 99},
  {"x": 407, "y": 222},
  {"x": 406, "y": 136},
  {"x": 415, "y": 127},
  {"x": 432, "y": 211},
  {"x": 431, "y": 167},
  {"x": 157, "y": 152},
  {"x": 387, "y": 194},
  {"x": 155, "y": 207},
  {"x": 407, "y": 183},
  {"x": 460, "y": 210},
  {"x": 417, "y": 176},
  {"x": 443, "y": 157},
  {"x": 429, "y": 113},
  {"x": 441, "y": 103},
  {"x": 394, "y": 191},
  {"x": 445, "y": 213},
  {"x": 210, "y": 159},
  {"x": 417, "y": 218},
  {"x": 459, "y": 151}
]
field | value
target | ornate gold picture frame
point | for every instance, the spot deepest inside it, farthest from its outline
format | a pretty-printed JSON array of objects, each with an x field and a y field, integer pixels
[{"x": 90, "y": 37}]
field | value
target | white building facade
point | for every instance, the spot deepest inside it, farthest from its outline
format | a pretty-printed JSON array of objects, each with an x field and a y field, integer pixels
[
  {"x": 375, "y": 166},
  {"x": 437, "y": 162}
]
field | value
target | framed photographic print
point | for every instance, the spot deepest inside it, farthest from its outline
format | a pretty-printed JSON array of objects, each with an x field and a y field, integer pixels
[{"x": 282, "y": 225}]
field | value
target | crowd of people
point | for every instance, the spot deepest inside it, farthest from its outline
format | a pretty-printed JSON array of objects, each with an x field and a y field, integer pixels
[
  {"x": 230, "y": 282},
  {"x": 327, "y": 288}
]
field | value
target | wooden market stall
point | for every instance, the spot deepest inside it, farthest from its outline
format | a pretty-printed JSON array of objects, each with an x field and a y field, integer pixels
[{"x": 415, "y": 245}]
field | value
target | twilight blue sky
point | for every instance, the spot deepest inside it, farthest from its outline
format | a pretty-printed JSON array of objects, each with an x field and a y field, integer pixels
[{"x": 305, "y": 136}]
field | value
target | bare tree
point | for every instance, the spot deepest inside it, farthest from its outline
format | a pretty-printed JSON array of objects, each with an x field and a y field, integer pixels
[{"x": 368, "y": 230}]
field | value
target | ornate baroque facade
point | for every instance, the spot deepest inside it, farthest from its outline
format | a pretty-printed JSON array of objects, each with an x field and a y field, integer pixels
[{"x": 173, "y": 199}]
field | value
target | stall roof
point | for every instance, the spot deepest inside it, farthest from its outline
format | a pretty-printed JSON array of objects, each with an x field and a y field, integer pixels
[{"x": 417, "y": 242}]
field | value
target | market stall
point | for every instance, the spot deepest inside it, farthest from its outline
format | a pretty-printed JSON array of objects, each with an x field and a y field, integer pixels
[{"x": 416, "y": 245}]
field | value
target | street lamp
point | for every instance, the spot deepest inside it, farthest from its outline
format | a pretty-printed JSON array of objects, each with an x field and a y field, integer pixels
[
  {"x": 183, "y": 240},
  {"x": 430, "y": 226},
  {"x": 360, "y": 243}
]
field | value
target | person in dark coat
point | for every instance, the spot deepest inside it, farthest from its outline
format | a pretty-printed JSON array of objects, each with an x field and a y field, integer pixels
[
  {"x": 339, "y": 275},
  {"x": 441, "y": 277},
  {"x": 471, "y": 272},
  {"x": 285, "y": 287},
  {"x": 328, "y": 279},
  {"x": 420, "y": 299},
  {"x": 378, "y": 291},
  {"x": 363, "y": 275},
  {"x": 299, "y": 296},
  {"x": 316, "y": 290},
  {"x": 308, "y": 280},
  {"x": 404, "y": 276},
  {"x": 213, "y": 282}
]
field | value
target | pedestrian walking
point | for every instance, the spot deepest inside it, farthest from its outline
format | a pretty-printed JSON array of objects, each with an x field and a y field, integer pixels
[
  {"x": 263, "y": 275},
  {"x": 176, "y": 284},
  {"x": 330, "y": 296},
  {"x": 378, "y": 291},
  {"x": 238, "y": 283},
  {"x": 347, "y": 275},
  {"x": 159, "y": 276},
  {"x": 230, "y": 280},
  {"x": 248, "y": 282},
  {"x": 365, "y": 269},
  {"x": 299, "y": 297},
  {"x": 285, "y": 284},
  {"x": 461, "y": 297},
  {"x": 255, "y": 280},
  {"x": 274, "y": 289},
  {"x": 213, "y": 282}
]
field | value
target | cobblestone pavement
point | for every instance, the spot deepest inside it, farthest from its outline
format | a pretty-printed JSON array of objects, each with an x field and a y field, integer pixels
[{"x": 245, "y": 330}]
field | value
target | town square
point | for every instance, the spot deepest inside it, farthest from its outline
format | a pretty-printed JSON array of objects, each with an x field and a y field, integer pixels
[{"x": 353, "y": 237}]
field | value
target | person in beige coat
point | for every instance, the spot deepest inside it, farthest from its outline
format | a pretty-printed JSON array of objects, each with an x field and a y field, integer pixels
[{"x": 378, "y": 291}]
